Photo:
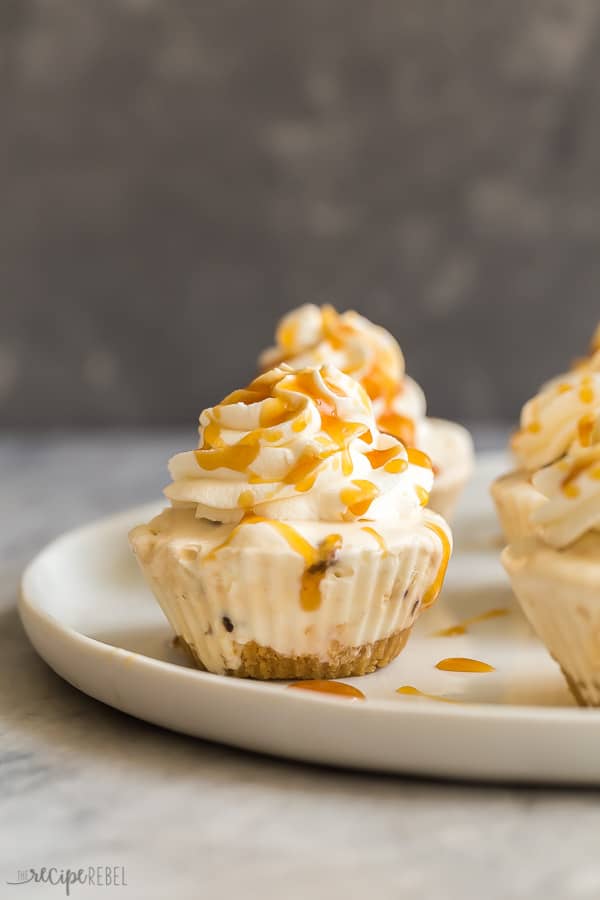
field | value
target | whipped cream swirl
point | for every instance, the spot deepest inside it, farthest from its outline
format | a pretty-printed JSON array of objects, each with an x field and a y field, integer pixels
[
  {"x": 314, "y": 336},
  {"x": 299, "y": 445},
  {"x": 562, "y": 413},
  {"x": 572, "y": 489}
]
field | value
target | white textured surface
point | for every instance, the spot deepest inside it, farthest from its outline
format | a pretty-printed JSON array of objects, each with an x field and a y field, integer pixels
[{"x": 82, "y": 784}]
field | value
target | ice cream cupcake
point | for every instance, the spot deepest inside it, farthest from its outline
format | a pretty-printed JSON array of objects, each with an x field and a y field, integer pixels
[
  {"x": 313, "y": 335},
  {"x": 562, "y": 413},
  {"x": 297, "y": 544},
  {"x": 556, "y": 573}
]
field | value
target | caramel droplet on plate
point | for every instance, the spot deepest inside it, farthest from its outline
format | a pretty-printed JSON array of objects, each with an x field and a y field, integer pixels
[
  {"x": 338, "y": 688},
  {"x": 461, "y": 627},
  {"x": 463, "y": 664}
]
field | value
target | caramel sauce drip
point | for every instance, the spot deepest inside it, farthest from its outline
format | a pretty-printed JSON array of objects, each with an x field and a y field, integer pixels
[
  {"x": 339, "y": 431},
  {"x": 564, "y": 388},
  {"x": 337, "y": 688},
  {"x": 422, "y": 495},
  {"x": 304, "y": 474},
  {"x": 463, "y": 664},
  {"x": 462, "y": 627},
  {"x": 316, "y": 564},
  {"x": 299, "y": 424},
  {"x": 248, "y": 519},
  {"x": 239, "y": 457},
  {"x": 378, "y": 538},
  {"x": 396, "y": 466},
  {"x": 400, "y": 427},
  {"x": 257, "y": 391},
  {"x": 215, "y": 454},
  {"x": 434, "y": 591},
  {"x": 274, "y": 411},
  {"x": 286, "y": 337},
  {"x": 316, "y": 559},
  {"x": 379, "y": 458},
  {"x": 409, "y": 691},
  {"x": 358, "y": 496},
  {"x": 587, "y": 461},
  {"x": 586, "y": 391},
  {"x": 585, "y": 429},
  {"x": 212, "y": 437},
  {"x": 273, "y": 435},
  {"x": 246, "y": 499},
  {"x": 347, "y": 464},
  {"x": 335, "y": 330},
  {"x": 378, "y": 384},
  {"x": 418, "y": 458}
]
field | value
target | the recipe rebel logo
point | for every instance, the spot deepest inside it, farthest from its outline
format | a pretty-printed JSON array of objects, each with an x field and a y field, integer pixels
[{"x": 90, "y": 876}]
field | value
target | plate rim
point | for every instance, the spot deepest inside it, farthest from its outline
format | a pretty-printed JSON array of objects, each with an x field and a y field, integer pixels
[{"x": 31, "y": 611}]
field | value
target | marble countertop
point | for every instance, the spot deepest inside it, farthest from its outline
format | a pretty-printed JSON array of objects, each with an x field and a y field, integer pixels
[{"x": 83, "y": 785}]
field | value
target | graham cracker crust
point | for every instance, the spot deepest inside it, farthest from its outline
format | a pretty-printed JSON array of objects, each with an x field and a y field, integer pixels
[{"x": 266, "y": 664}]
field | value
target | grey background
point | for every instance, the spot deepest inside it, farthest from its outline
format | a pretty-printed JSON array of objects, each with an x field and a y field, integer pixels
[{"x": 173, "y": 176}]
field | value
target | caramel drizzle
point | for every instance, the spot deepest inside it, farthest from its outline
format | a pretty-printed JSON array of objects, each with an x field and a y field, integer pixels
[
  {"x": 586, "y": 391},
  {"x": 375, "y": 534},
  {"x": 462, "y": 627},
  {"x": 338, "y": 434},
  {"x": 534, "y": 427},
  {"x": 434, "y": 591},
  {"x": 463, "y": 664},
  {"x": 248, "y": 519},
  {"x": 396, "y": 466},
  {"x": 286, "y": 337},
  {"x": 314, "y": 572},
  {"x": 418, "y": 458},
  {"x": 358, "y": 497},
  {"x": 422, "y": 495},
  {"x": 316, "y": 559},
  {"x": 302, "y": 476},
  {"x": 379, "y": 458},
  {"x": 587, "y": 463},
  {"x": 246, "y": 500},
  {"x": 400, "y": 427},
  {"x": 378, "y": 384},
  {"x": 586, "y": 395},
  {"x": 337, "y": 688},
  {"x": 239, "y": 457},
  {"x": 585, "y": 429},
  {"x": 564, "y": 388}
]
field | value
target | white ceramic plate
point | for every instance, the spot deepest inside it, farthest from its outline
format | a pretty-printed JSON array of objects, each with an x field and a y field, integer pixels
[{"x": 91, "y": 617}]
